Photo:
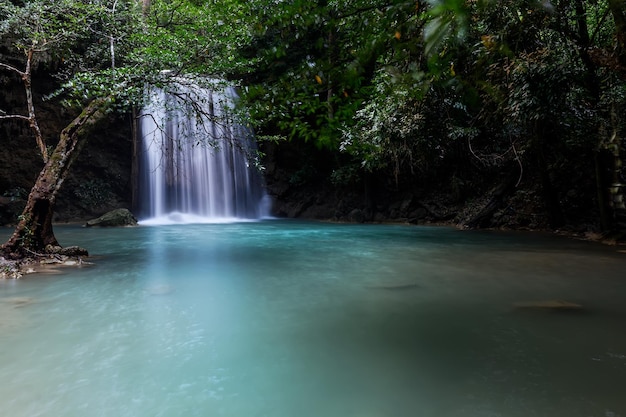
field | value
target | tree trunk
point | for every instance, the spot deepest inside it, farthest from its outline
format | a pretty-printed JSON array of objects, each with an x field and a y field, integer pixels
[
  {"x": 135, "y": 161},
  {"x": 618, "y": 10},
  {"x": 492, "y": 204},
  {"x": 26, "y": 77},
  {"x": 145, "y": 7},
  {"x": 616, "y": 142},
  {"x": 34, "y": 233}
]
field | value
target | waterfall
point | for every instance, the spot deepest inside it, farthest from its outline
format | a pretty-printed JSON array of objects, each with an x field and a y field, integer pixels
[{"x": 195, "y": 163}]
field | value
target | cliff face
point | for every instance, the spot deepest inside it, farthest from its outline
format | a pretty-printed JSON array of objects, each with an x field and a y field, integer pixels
[{"x": 100, "y": 179}]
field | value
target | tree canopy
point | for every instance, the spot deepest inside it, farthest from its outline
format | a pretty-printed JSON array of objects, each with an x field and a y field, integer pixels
[{"x": 528, "y": 88}]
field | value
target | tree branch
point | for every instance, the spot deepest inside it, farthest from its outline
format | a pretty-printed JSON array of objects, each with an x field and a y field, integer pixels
[
  {"x": 32, "y": 117},
  {"x": 14, "y": 116},
  {"x": 10, "y": 68}
]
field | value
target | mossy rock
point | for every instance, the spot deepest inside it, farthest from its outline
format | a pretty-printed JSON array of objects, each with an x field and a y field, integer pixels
[{"x": 114, "y": 218}]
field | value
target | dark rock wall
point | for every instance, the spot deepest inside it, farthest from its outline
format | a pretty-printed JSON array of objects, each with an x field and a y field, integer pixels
[{"x": 303, "y": 183}]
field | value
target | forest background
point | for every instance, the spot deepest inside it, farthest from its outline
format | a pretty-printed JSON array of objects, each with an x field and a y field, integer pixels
[{"x": 478, "y": 113}]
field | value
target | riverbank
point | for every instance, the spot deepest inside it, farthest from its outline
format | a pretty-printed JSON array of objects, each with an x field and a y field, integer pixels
[{"x": 16, "y": 269}]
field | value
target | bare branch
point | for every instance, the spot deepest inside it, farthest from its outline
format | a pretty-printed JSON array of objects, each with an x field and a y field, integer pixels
[
  {"x": 10, "y": 68},
  {"x": 519, "y": 161},
  {"x": 14, "y": 116},
  {"x": 31, "y": 118}
]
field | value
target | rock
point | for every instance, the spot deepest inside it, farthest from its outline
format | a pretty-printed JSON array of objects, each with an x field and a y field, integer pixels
[
  {"x": 73, "y": 251},
  {"x": 9, "y": 269},
  {"x": 397, "y": 287},
  {"x": 18, "y": 302},
  {"x": 357, "y": 216},
  {"x": 556, "y": 305},
  {"x": 115, "y": 218},
  {"x": 69, "y": 251}
]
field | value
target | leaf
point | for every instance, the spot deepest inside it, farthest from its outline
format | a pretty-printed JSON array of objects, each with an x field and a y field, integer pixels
[{"x": 435, "y": 33}]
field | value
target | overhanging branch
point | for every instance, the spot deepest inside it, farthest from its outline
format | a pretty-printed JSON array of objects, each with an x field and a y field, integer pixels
[
  {"x": 14, "y": 116},
  {"x": 11, "y": 68}
]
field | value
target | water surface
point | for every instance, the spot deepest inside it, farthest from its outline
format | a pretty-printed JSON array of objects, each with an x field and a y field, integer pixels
[{"x": 286, "y": 319}]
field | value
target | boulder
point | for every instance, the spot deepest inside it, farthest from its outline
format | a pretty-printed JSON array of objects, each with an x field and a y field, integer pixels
[
  {"x": 70, "y": 251},
  {"x": 114, "y": 218}
]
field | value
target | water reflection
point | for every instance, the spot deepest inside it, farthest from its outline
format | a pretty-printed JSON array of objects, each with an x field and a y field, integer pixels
[{"x": 307, "y": 319}]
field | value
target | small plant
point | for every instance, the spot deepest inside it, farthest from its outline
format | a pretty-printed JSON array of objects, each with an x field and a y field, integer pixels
[
  {"x": 304, "y": 175},
  {"x": 93, "y": 193},
  {"x": 345, "y": 175},
  {"x": 17, "y": 193},
  {"x": 28, "y": 235}
]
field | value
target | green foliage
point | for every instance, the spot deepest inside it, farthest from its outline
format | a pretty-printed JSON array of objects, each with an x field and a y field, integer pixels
[
  {"x": 110, "y": 48},
  {"x": 399, "y": 86},
  {"x": 188, "y": 37},
  {"x": 17, "y": 193},
  {"x": 49, "y": 28},
  {"x": 28, "y": 235},
  {"x": 93, "y": 193},
  {"x": 401, "y": 128},
  {"x": 314, "y": 62},
  {"x": 346, "y": 175},
  {"x": 304, "y": 175},
  {"x": 449, "y": 19}
]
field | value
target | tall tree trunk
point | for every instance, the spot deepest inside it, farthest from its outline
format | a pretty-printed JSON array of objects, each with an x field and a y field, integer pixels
[
  {"x": 145, "y": 7},
  {"x": 617, "y": 188},
  {"x": 615, "y": 142},
  {"x": 135, "y": 161},
  {"x": 26, "y": 77},
  {"x": 34, "y": 232},
  {"x": 618, "y": 10}
]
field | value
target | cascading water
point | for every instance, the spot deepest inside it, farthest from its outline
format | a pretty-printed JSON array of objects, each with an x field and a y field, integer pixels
[{"x": 195, "y": 161}]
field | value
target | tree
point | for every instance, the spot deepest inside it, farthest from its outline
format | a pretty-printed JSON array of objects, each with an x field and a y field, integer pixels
[
  {"x": 108, "y": 52},
  {"x": 313, "y": 63},
  {"x": 45, "y": 33},
  {"x": 525, "y": 89}
]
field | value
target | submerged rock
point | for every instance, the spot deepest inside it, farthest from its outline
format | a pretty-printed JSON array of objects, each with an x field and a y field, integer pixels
[
  {"x": 18, "y": 302},
  {"x": 556, "y": 305},
  {"x": 114, "y": 218},
  {"x": 397, "y": 287}
]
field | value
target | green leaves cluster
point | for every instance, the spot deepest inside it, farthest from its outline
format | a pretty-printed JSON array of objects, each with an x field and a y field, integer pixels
[
  {"x": 116, "y": 47},
  {"x": 314, "y": 62}
]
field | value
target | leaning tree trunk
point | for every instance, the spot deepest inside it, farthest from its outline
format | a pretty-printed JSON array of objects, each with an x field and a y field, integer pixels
[{"x": 34, "y": 234}]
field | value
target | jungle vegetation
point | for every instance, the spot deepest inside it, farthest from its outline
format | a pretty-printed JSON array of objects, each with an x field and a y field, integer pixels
[{"x": 526, "y": 92}]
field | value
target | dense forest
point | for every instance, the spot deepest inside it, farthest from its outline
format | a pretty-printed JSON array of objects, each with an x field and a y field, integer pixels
[{"x": 478, "y": 113}]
